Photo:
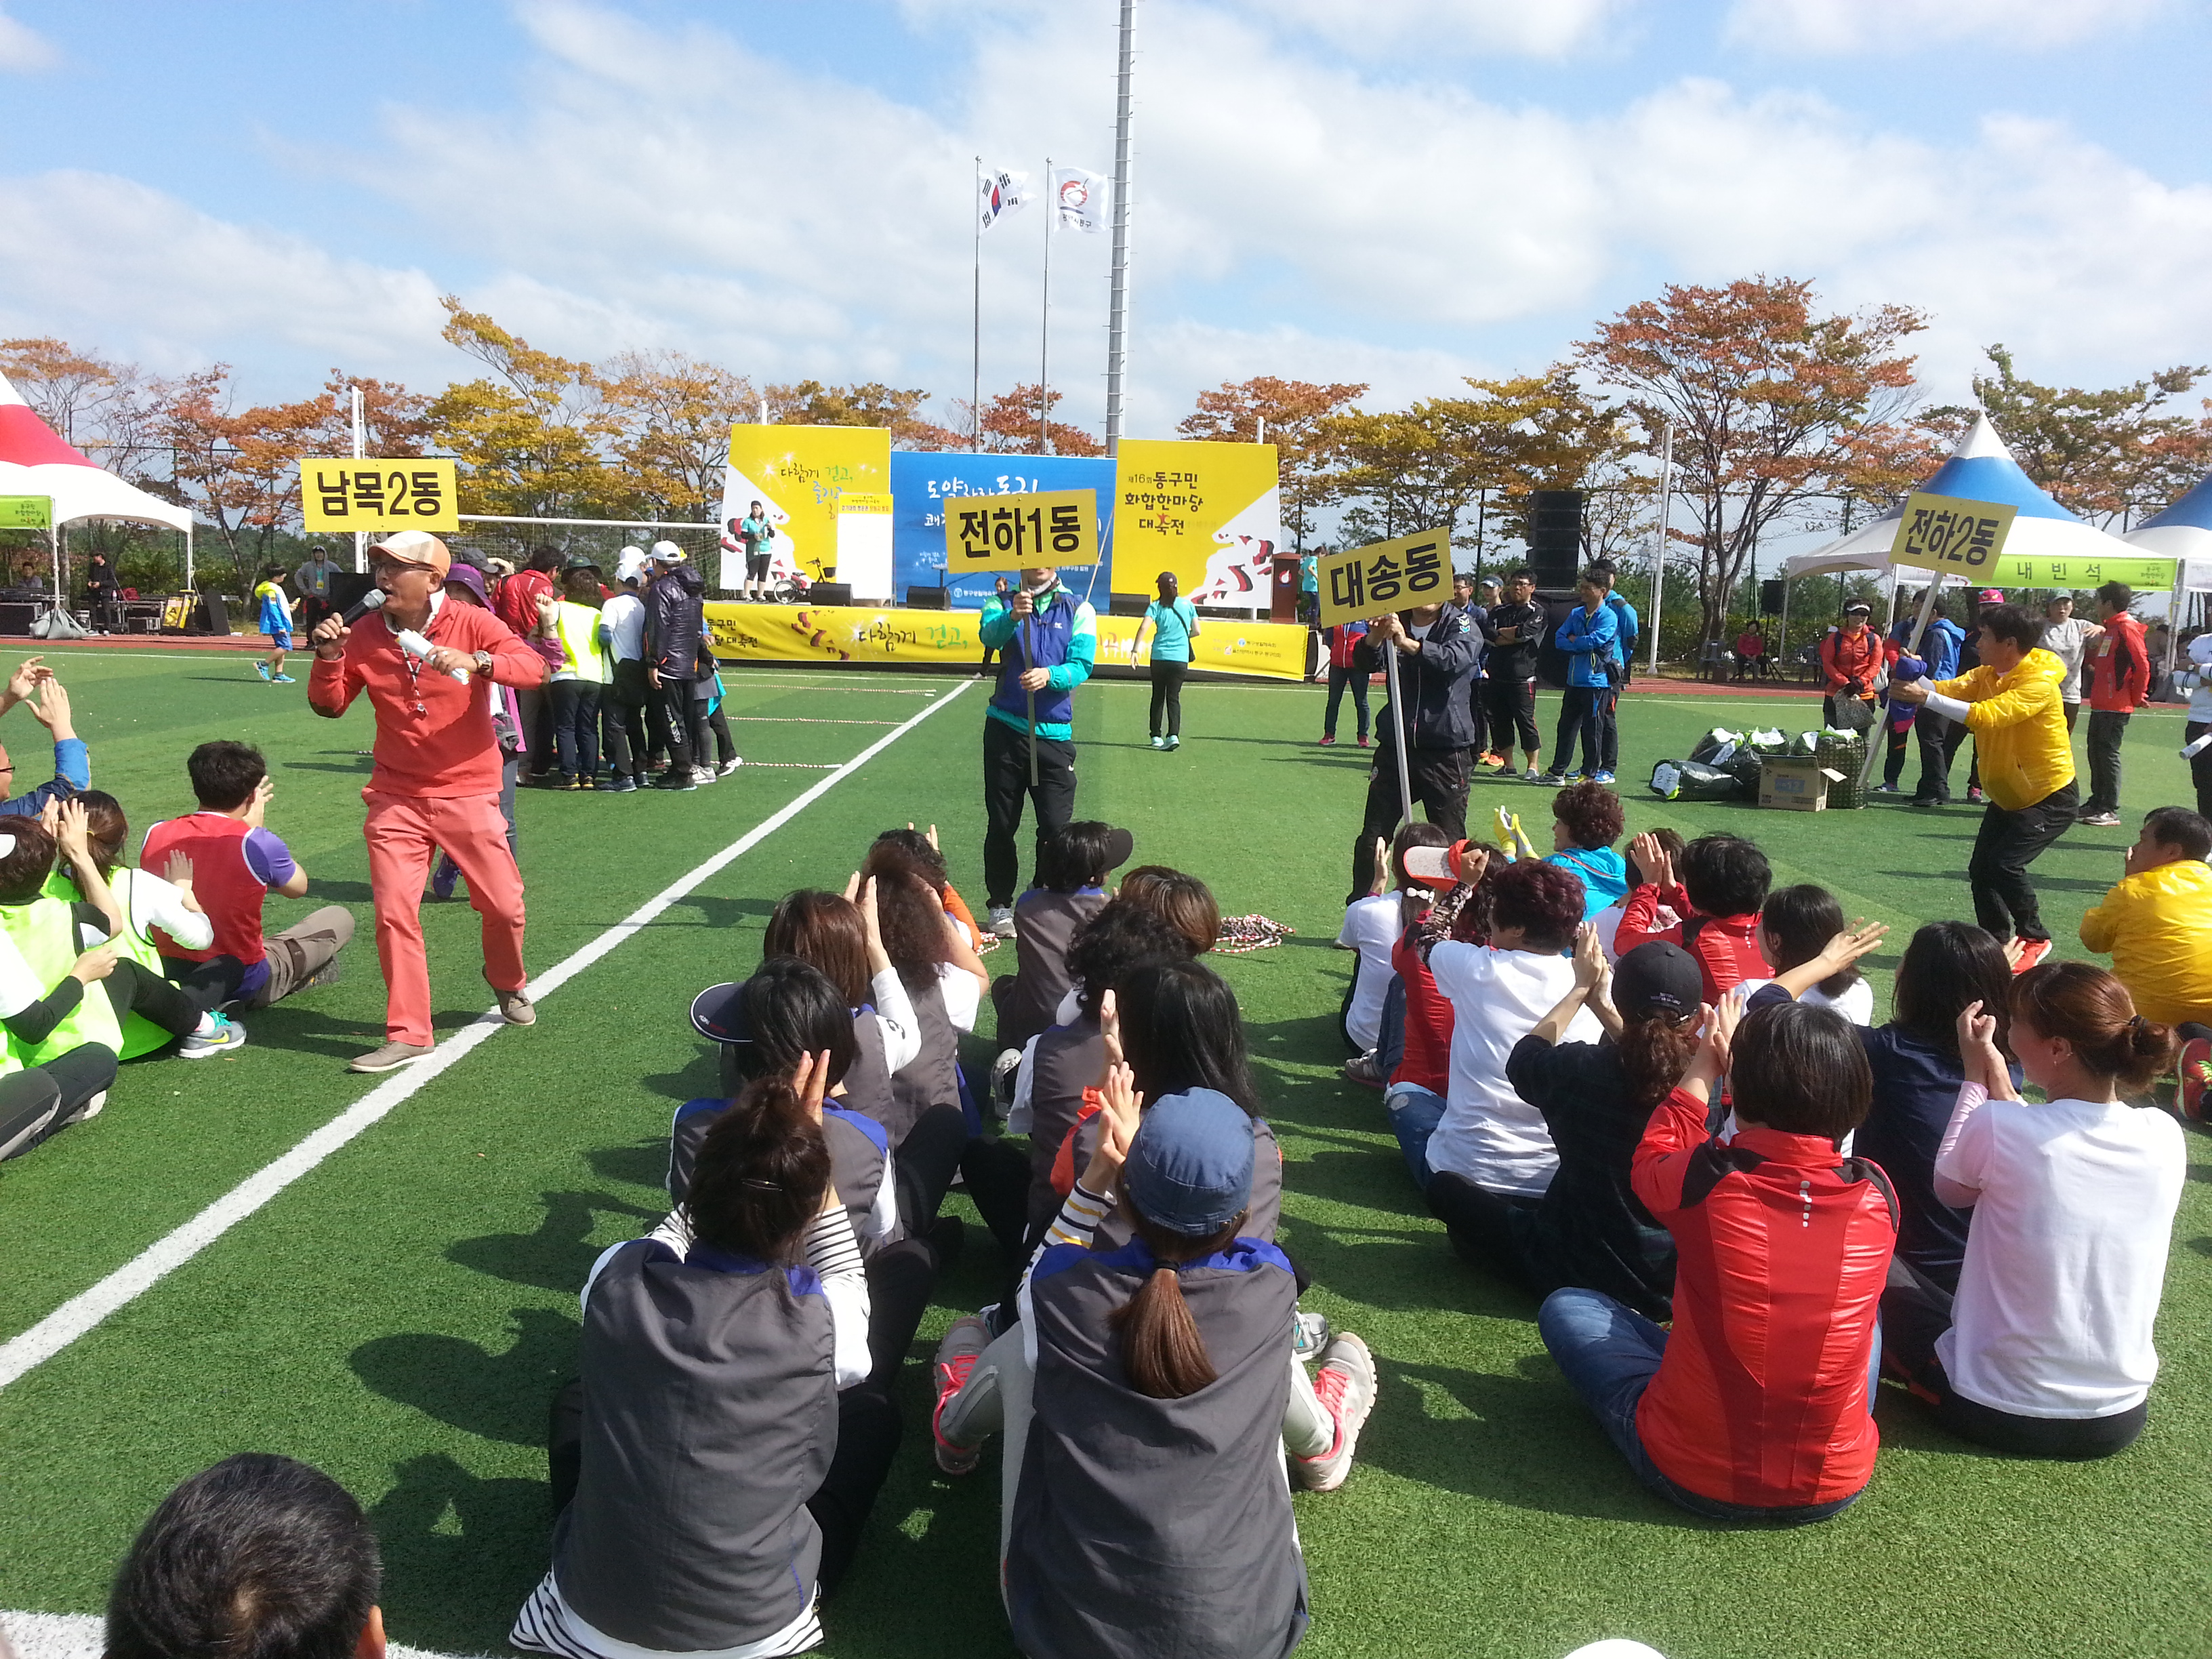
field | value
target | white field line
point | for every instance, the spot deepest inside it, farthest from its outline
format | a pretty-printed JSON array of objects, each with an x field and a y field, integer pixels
[{"x": 82, "y": 1312}]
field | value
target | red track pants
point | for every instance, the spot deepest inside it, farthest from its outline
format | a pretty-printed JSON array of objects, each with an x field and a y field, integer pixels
[{"x": 404, "y": 833}]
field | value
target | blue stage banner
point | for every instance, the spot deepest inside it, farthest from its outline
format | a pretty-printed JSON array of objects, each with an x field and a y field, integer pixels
[{"x": 922, "y": 481}]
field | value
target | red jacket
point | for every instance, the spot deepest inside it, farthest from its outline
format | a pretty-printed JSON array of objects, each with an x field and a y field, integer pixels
[
  {"x": 446, "y": 749},
  {"x": 2120, "y": 668},
  {"x": 1341, "y": 639},
  {"x": 1848, "y": 658},
  {"x": 516, "y": 604},
  {"x": 1726, "y": 947},
  {"x": 1781, "y": 1247},
  {"x": 1427, "y": 1059}
]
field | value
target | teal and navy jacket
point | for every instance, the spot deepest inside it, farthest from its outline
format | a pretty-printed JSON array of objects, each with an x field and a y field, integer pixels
[
  {"x": 1590, "y": 641},
  {"x": 1063, "y": 633}
]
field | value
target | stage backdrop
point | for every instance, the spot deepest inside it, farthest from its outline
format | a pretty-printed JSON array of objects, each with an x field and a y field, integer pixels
[
  {"x": 855, "y": 634},
  {"x": 801, "y": 476},
  {"x": 923, "y": 481},
  {"x": 1210, "y": 512}
]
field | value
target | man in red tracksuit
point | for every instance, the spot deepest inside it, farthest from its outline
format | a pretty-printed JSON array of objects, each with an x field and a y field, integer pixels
[
  {"x": 1757, "y": 1405},
  {"x": 437, "y": 777},
  {"x": 2119, "y": 683}
]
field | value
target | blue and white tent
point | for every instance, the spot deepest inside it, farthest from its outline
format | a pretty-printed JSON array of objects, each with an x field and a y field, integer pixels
[
  {"x": 2182, "y": 531},
  {"x": 1981, "y": 469}
]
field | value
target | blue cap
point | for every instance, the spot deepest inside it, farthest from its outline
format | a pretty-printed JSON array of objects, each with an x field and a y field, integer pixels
[{"x": 1189, "y": 1169}]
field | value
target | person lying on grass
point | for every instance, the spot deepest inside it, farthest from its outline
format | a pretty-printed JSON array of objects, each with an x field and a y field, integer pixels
[
  {"x": 2045, "y": 1351},
  {"x": 1147, "y": 1398},
  {"x": 733, "y": 1338},
  {"x": 1755, "y": 1405}
]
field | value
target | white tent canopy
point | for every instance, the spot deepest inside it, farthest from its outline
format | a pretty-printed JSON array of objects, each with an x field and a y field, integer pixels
[
  {"x": 2182, "y": 531},
  {"x": 1981, "y": 469},
  {"x": 35, "y": 461}
]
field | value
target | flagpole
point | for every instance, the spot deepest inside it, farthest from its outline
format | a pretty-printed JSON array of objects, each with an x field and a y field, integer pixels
[
  {"x": 975, "y": 380},
  {"x": 1117, "y": 321},
  {"x": 1044, "y": 329}
]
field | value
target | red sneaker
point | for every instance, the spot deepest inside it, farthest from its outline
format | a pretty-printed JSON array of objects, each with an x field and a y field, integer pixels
[
  {"x": 1328, "y": 738},
  {"x": 2196, "y": 1095},
  {"x": 1367, "y": 743},
  {"x": 2032, "y": 951}
]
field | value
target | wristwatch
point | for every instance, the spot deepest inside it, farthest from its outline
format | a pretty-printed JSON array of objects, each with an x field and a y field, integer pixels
[{"x": 483, "y": 662}]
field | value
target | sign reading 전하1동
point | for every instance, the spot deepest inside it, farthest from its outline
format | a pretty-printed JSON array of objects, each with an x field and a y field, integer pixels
[
  {"x": 26, "y": 511},
  {"x": 1950, "y": 534},
  {"x": 378, "y": 497},
  {"x": 1023, "y": 532},
  {"x": 1385, "y": 577}
]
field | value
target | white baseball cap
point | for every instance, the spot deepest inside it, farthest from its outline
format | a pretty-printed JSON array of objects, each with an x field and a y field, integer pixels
[
  {"x": 629, "y": 564},
  {"x": 665, "y": 553}
]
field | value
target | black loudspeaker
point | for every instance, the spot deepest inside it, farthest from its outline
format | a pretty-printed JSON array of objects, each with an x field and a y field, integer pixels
[
  {"x": 1770, "y": 597},
  {"x": 1555, "y": 536},
  {"x": 209, "y": 616},
  {"x": 928, "y": 598},
  {"x": 830, "y": 593},
  {"x": 1128, "y": 605},
  {"x": 347, "y": 586}
]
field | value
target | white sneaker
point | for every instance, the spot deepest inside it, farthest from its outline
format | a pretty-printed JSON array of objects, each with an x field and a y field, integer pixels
[
  {"x": 229, "y": 1033},
  {"x": 729, "y": 766},
  {"x": 1310, "y": 1335},
  {"x": 1000, "y": 918},
  {"x": 704, "y": 774},
  {"x": 1345, "y": 1381}
]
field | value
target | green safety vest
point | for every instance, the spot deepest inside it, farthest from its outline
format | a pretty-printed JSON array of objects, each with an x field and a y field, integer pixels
[
  {"x": 44, "y": 932},
  {"x": 577, "y": 625},
  {"x": 135, "y": 943}
]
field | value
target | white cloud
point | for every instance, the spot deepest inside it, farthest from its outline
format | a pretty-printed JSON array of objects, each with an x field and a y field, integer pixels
[
  {"x": 23, "y": 48},
  {"x": 1885, "y": 26},
  {"x": 1550, "y": 28}
]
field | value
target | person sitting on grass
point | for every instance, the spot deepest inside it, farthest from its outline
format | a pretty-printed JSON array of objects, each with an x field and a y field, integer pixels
[
  {"x": 1755, "y": 1405},
  {"x": 1178, "y": 898},
  {"x": 842, "y": 936},
  {"x": 33, "y": 683},
  {"x": 1795, "y": 925},
  {"x": 1146, "y": 1399},
  {"x": 276, "y": 622},
  {"x": 2156, "y": 921},
  {"x": 1607, "y": 921},
  {"x": 63, "y": 1026},
  {"x": 258, "y": 1555},
  {"x": 922, "y": 843},
  {"x": 711, "y": 1486},
  {"x": 1589, "y": 1229},
  {"x": 236, "y": 862},
  {"x": 1724, "y": 885},
  {"x": 1586, "y": 821},
  {"x": 2045, "y": 1351},
  {"x": 1073, "y": 866},
  {"x": 1375, "y": 927},
  {"x": 1485, "y": 1131}
]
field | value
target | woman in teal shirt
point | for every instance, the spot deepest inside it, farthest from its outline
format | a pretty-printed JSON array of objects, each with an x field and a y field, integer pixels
[{"x": 1175, "y": 625}]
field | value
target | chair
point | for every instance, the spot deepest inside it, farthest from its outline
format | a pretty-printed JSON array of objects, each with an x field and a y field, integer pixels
[{"x": 1713, "y": 661}]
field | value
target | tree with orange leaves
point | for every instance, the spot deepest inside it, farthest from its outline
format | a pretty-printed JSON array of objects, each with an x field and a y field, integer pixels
[
  {"x": 1292, "y": 414},
  {"x": 1777, "y": 411},
  {"x": 1010, "y": 425}
]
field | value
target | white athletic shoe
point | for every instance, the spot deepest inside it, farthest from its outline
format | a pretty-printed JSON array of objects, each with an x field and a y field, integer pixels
[
  {"x": 1345, "y": 1381},
  {"x": 229, "y": 1033},
  {"x": 704, "y": 774},
  {"x": 1000, "y": 918},
  {"x": 729, "y": 766}
]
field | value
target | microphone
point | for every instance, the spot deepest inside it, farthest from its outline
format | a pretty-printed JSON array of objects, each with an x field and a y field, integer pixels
[
  {"x": 372, "y": 600},
  {"x": 410, "y": 641}
]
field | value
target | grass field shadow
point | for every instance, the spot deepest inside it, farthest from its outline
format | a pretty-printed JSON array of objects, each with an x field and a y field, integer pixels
[
  {"x": 497, "y": 1397},
  {"x": 460, "y": 1553},
  {"x": 558, "y": 1256}
]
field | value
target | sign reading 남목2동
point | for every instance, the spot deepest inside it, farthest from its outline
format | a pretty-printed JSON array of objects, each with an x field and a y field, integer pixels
[
  {"x": 378, "y": 497},
  {"x": 1018, "y": 532},
  {"x": 1950, "y": 534},
  {"x": 1384, "y": 576}
]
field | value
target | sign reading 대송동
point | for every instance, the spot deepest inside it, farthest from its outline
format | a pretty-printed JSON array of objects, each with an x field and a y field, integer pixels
[
  {"x": 1017, "y": 533},
  {"x": 26, "y": 511},
  {"x": 1385, "y": 577},
  {"x": 407, "y": 493},
  {"x": 1950, "y": 534}
]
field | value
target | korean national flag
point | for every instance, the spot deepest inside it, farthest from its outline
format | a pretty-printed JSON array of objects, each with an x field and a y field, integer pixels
[
  {"x": 999, "y": 193},
  {"x": 1078, "y": 198}
]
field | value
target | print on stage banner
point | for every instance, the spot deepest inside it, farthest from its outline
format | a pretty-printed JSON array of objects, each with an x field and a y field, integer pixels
[
  {"x": 926, "y": 483},
  {"x": 799, "y": 475},
  {"x": 1210, "y": 512}
]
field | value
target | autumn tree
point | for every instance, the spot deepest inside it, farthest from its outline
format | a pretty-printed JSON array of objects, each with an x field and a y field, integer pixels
[
  {"x": 532, "y": 436},
  {"x": 1290, "y": 415},
  {"x": 238, "y": 469},
  {"x": 1009, "y": 426},
  {"x": 673, "y": 414},
  {"x": 810, "y": 403},
  {"x": 2099, "y": 454},
  {"x": 394, "y": 421},
  {"x": 1775, "y": 408}
]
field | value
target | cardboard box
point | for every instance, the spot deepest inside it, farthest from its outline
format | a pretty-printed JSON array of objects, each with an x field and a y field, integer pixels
[{"x": 1795, "y": 783}]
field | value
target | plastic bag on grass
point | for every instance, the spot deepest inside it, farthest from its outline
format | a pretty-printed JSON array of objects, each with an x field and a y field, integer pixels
[
  {"x": 1717, "y": 746},
  {"x": 1694, "y": 781}
]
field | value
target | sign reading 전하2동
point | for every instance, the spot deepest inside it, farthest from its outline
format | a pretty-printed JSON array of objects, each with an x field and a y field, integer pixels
[
  {"x": 1385, "y": 577},
  {"x": 378, "y": 497},
  {"x": 1950, "y": 534},
  {"x": 1020, "y": 533}
]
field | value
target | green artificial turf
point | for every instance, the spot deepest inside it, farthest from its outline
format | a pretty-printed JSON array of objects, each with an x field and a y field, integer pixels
[{"x": 402, "y": 1315}]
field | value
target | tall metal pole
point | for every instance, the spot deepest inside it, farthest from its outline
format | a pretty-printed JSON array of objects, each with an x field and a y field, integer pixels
[
  {"x": 976, "y": 379},
  {"x": 1044, "y": 328},
  {"x": 1117, "y": 310},
  {"x": 1659, "y": 557},
  {"x": 359, "y": 449}
]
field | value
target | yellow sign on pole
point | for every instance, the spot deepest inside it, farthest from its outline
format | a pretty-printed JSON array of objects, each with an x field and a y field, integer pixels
[
  {"x": 407, "y": 493},
  {"x": 1021, "y": 532},
  {"x": 1950, "y": 534},
  {"x": 1385, "y": 577},
  {"x": 26, "y": 511}
]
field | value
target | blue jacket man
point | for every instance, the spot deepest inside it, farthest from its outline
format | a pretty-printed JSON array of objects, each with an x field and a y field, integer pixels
[
  {"x": 1590, "y": 638},
  {"x": 1046, "y": 640},
  {"x": 34, "y": 683}
]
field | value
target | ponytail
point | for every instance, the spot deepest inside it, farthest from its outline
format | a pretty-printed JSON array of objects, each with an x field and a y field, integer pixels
[
  {"x": 2090, "y": 1008},
  {"x": 760, "y": 1175},
  {"x": 1656, "y": 1049},
  {"x": 1162, "y": 1352}
]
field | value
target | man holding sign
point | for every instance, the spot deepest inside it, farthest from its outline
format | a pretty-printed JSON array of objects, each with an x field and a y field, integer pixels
[
  {"x": 1046, "y": 640},
  {"x": 1430, "y": 653}
]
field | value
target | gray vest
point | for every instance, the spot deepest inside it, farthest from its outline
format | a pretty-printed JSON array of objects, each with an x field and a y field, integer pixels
[
  {"x": 932, "y": 1078},
  {"x": 710, "y": 1417},
  {"x": 1067, "y": 1061},
  {"x": 1045, "y": 923},
  {"x": 856, "y": 1158},
  {"x": 868, "y": 1083},
  {"x": 1260, "y": 1220},
  {"x": 1144, "y": 1527}
]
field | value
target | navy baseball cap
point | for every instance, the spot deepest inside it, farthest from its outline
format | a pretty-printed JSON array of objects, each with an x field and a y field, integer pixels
[
  {"x": 718, "y": 1013},
  {"x": 1658, "y": 978},
  {"x": 1190, "y": 1167}
]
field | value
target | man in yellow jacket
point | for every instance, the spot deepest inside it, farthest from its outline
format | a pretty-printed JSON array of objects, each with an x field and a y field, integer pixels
[
  {"x": 2156, "y": 923},
  {"x": 2011, "y": 705}
]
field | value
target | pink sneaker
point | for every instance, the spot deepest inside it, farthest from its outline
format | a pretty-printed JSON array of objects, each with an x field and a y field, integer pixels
[
  {"x": 956, "y": 1362},
  {"x": 1344, "y": 1381}
]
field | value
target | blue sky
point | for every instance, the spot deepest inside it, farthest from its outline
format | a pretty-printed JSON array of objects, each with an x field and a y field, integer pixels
[{"x": 1399, "y": 191}]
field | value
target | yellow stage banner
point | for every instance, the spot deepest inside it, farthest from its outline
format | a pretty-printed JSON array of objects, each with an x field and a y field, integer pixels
[
  {"x": 407, "y": 493},
  {"x": 854, "y": 634},
  {"x": 1385, "y": 577},
  {"x": 1021, "y": 533},
  {"x": 802, "y": 476},
  {"x": 1210, "y": 512}
]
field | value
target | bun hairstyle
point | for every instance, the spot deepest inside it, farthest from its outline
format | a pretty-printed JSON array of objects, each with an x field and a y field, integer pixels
[
  {"x": 2090, "y": 1009},
  {"x": 27, "y": 861},
  {"x": 760, "y": 1175},
  {"x": 1183, "y": 902}
]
